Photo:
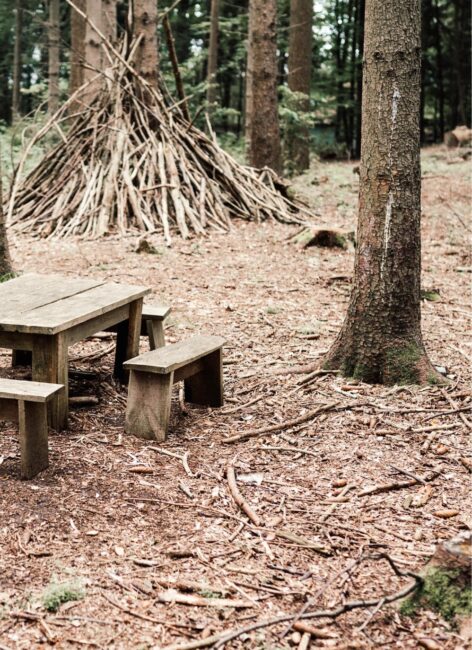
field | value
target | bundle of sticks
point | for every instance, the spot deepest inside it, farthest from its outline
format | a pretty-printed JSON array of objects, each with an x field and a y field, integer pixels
[{"x": 131, "y": 160}]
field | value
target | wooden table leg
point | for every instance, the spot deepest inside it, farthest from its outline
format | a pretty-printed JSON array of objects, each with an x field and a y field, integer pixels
[
  {"x": 50, "y": 364},
  {"x": 33, "y": 426},
  {"x": 127, "y": 340}
]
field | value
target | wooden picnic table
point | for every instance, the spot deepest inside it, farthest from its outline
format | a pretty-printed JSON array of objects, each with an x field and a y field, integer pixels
[{"x": 45, "y": 314}]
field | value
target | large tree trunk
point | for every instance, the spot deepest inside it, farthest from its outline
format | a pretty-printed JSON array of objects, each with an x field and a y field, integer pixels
[
  {"x": 145, "y": 24},
  {"x": 213, "y": 54},
  {"x": 15, "y": 106},
  {"x": 381, "y": 340},
  {"x": 261, "y": 106},
  {"x": 93, "y": 51},
  {"x": 77, "y": 47},
  {"x": 299, "y": 76},
  {"x": 53, "y": 62}
]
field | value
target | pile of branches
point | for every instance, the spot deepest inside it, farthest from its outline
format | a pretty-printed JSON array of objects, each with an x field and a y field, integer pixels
[{"x": 131, "y": 160}]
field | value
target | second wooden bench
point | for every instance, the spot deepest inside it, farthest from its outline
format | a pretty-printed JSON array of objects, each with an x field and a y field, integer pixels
[
  {"x": 198, "y": 361},
  {"x": 26, "y": 402}
]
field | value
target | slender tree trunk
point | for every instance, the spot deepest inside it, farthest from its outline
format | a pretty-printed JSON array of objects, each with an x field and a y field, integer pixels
[
  {"x": 359, "y": 66},
  {"x": 77, "y": 47},
  {"x": 381, "y": 340},
  {"x": 299, "y": 76},
  {"x": 109, "y": 20},
  {"x": 213, "y": 54},
  {"x": 17, "y": 65},
  {"x": 439, "y": 66},
  {"x": 261, "y": 105},
  {"x": 145, "y": 24},
  {"x": 53, "y": 62},
  {"x": 93, "y": 51},
  {"x": 5, "y": 261}
]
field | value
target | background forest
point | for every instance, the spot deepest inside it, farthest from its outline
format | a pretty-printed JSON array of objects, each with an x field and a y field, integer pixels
[{"x": 333, "y": 115}]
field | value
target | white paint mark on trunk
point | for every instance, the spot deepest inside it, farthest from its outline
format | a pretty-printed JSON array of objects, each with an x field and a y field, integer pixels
[
  {"x": 387, "y": 232},
  {"x": 396, "y": 97}
]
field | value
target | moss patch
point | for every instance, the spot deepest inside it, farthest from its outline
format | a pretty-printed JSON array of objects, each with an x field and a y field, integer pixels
[
  {"x": 401, "y": 364},
  {"x": 443, "y": 593}
]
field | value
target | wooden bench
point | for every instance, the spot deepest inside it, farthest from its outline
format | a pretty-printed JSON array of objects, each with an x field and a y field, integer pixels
[
  {"x": 26, "y": 402},
  {"x": 198, "y": 361}
]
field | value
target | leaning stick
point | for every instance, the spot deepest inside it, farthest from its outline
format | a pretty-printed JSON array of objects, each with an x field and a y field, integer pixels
[
  {"x": 238, "y": 497},
  {"x": 284, "y": 425}
]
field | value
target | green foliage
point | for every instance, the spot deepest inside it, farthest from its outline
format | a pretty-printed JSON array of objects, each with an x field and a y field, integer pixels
[
  {"x": 443, "y": 593},
  {"x": 58, "y": 593}
]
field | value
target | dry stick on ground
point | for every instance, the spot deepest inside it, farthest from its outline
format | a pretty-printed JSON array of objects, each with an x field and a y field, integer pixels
[
  {"x": 333, "y": 507},
  {"x": 454, "y": 405},
  {"x": 283, "y": 425},
  {"x": 238, "y": 497},
  {"x": 378, "y": 489},
  {"x": 183, "y": 458},
  {"x": 219, "y": 640}
]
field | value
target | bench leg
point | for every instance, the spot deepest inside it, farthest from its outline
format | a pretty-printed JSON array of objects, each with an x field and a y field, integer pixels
[
  {"x": 148, "y": 405},
  {"x": 155, "y": 331},
  {"x": 50, "y": 364},
  {"x": 127, "y": 339},
  {"x": 33, "y": 426},
  {"x": 21, "y": 358},
  {"x": 206, "y": 387}
]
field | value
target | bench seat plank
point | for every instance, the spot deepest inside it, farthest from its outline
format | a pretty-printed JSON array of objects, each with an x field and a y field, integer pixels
[
  {"x": 155, "y": 312},
  {"x": 172, "y": 357},
  {"x": 28, "y": 391}
]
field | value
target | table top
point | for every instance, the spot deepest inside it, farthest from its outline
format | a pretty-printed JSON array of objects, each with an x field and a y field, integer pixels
[{"x": 49, "y": 304}]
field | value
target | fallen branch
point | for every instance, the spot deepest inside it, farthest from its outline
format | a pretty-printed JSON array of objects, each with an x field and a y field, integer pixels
[
  {"x": 238, "y": 497},
  {"x": 399, "y": 485},
  {"x": 283, "y": 425},
  {"x": 454, "y": 405}
]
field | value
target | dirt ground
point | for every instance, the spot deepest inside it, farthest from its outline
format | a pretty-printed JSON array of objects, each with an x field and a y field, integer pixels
[{"x": 115, "y": 522}]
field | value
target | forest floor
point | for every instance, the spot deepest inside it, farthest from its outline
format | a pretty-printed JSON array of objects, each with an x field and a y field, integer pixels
[{"x": 115, "y": 522}]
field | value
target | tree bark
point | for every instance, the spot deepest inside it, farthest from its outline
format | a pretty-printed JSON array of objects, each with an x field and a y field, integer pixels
[
  {"x": 17, "y": 66},
  {"x": 5, "y": 261},
  {"x": 77, "y": 47},
  {"x": 93, "y": 49},
  {"x": 213, "y": 54},
  {"x": 109, "y": 20},
  {"x": 381, "y": 341},
  {"x": 299, "y": 77},
  {"x": 261, "y": 105},
  {"x": 53, "y": 62},
  {"x": 145, "y": 23}
]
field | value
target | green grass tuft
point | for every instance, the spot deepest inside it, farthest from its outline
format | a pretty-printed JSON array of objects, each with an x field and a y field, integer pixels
[{"x": 58, "y": 593}]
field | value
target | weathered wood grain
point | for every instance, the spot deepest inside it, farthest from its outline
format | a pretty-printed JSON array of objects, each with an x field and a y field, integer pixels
[
  {"x": 31, "y": 391},
  {"x": 171, "y": 357}
]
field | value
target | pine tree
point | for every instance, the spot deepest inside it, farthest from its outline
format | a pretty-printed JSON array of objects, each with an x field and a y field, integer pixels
[
  {"x": 77, "y": 46},
  {"x": 145, "y": 25},
  {"x": 262, "y": 125},
  {"x": 299, "y": 76},
  {"x": 17, "y": 63},
  {"x": 381, "y": 340},
  {"x": 53, "y": 56},
  {"x": 213, "y": 53}
]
